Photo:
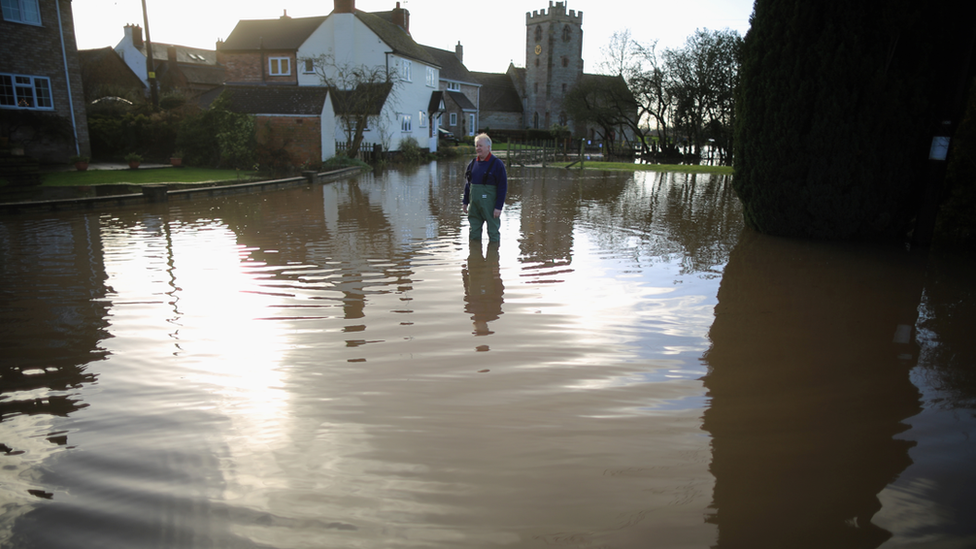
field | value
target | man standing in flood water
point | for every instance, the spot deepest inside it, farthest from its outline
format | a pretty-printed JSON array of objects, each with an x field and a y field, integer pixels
[{"x": 485, "y": 190}]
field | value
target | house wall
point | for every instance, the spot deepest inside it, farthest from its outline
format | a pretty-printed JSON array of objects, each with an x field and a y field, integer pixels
[
  {"x": 301, "y": 136},
  {"x": 37, "y": 51},
  {"x": 352, "y": 43},
  {"x": 241, "y": 67}
]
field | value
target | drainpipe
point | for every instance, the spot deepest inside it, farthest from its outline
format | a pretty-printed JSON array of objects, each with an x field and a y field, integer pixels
[{"x": 67, "y": 80}]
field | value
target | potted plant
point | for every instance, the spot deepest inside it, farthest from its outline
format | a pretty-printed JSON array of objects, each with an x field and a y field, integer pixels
[
  {"x": 134, "y": 160},
  {"x": 176, "y": 160},
  {"x": 80, "y": 162}
]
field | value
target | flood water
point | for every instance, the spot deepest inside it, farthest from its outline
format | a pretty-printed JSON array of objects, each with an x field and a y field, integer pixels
[{"x": 337, "y": 366}]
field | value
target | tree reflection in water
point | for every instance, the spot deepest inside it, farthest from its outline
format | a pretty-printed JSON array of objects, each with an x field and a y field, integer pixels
[{"x": 808, "y": 375}]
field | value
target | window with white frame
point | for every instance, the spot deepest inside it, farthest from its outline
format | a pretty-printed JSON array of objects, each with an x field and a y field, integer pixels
[
  {"x": 471, "y": 124},
  {"x": 453, "y": 119},
  {"x": 431, "y": 77},
  {"x": 309, "y": 66},
  {"x": 279, "y": 66},
  {"x": 454, "y": 86},
  {"x": 422, "y": 118},
  {"x": 406, "y": 66},
  {"x": 22, "y": 11},
  {"x": 406, "y": 124},
  {"x": 21, "y": 91}
]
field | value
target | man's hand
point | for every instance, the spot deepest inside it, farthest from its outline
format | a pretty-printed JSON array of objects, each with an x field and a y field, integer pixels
[
  {"x": 498, "y": 213},
  {"x": 465, "y": 208}
]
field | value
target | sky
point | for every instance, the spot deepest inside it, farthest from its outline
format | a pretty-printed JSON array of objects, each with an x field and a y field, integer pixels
[{"x": 491, "y": 32}]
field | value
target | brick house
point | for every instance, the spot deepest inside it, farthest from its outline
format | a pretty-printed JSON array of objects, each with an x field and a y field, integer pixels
[
  {"x": 462, "y": 92},
  {"x": 295, "y": 119},
  {"x": 284, "y": 53},
  {"x": 40, "y": 79}
]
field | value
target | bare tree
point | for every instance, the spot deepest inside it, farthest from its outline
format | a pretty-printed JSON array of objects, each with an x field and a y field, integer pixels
[
  {"x": 359, "y": 94},
  {"x": 618, "y": 53}
]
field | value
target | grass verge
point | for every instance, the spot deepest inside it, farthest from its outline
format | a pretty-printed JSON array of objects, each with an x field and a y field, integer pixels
[
  {"x": 145, "y": 176},
  {"x": 630, "y": 167}
]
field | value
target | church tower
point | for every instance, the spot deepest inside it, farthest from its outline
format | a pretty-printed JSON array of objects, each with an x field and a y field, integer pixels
[{"x": 553, "y": 63}]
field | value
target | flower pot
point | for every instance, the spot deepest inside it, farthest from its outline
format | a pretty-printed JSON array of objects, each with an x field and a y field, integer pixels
[
  {"x": 176, "y": 162},
  {"x": 134, "y": 164},
  {"x": 81, "y": 166}
]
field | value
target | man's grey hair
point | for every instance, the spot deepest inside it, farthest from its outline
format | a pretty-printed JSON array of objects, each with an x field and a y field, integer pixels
[{"x": 483, "y": 137}]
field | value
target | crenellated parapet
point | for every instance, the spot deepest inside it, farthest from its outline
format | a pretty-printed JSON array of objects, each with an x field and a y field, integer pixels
[{"x": 556, "y": 10}]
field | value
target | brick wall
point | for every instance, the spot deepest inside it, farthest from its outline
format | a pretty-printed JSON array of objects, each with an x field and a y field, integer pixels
[
  {"x": 36, "y": 51},
  {"x": 253, "y": 67},
  {"x": 300, "y": 136}
]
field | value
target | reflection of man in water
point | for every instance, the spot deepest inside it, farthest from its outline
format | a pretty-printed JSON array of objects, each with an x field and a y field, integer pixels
[
  {"x": 483, "y": 287},
  {"x": 485, "y": 190}
]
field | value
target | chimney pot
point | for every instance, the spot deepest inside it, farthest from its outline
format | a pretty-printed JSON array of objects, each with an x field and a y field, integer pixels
[{"x": 344, "y": 6}]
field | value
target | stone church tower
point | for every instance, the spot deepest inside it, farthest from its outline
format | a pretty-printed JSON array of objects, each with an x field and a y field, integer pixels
[{"x": 553, "y": 63}]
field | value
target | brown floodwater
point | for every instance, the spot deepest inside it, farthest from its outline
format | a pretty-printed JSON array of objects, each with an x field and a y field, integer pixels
[{"x": 338, "y": 366}]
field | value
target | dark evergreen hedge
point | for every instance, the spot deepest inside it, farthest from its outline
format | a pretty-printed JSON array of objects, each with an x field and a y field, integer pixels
[{"x": 834, "y": 112}]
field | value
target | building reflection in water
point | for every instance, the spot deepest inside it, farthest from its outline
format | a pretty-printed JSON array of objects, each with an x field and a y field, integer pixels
[
  {"x": 808, "y": 374},
  {"x": 483, "y": 287}
]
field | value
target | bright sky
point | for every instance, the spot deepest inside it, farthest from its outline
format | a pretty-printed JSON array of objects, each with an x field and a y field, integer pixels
[{"x": 492, "y": 32}]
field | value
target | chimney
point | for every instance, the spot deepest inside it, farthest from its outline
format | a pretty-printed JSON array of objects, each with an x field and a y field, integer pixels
[
  {"x": 285, "y": 15},
  {"x": 459, "y": 52},
  {"x": 134, "y": 34},
  {"x": 171, "y": 55},
  {"x": 344, "y": 6},
  {"x": 401, "y": 18}
]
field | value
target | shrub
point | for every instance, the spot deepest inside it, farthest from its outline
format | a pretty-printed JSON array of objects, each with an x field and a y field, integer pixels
[{"x": 831, "y": 116}]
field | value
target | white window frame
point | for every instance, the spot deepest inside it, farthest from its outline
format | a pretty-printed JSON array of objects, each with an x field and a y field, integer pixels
[
  {"x": 454, "y": 86},
  {"x": 22, "y": 11},
  {"x": 406, "y": 123},
  {"x": 431, "y": 77},
  {"x": 279, "y": 66},
  {"x": 407, "y": 68},
  {"x": 308, "y": 66},
  {"x": 471, "y": 123},
  {"x": 422, "y": 119},
  {"x": 23, "y": 91},
  {"x": 452, "y": 120}
]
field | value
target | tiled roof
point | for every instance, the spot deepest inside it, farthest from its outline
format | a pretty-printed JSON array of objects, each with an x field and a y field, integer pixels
[
  {"x": 451, "y": 67},
  {"x": 282, "y": 100},
  {"x": 184, "y": 54},
  {"x": 285, "y": 33},
  {"x": 498, "y": 93},
  {"x": 292, "y": 100},
  {"x": 462, "y": 101},
  {"x": 397, "y": 38}
]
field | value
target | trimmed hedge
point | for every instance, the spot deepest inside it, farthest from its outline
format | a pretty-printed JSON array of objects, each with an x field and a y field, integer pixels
[{"x": 834, "y": 115}]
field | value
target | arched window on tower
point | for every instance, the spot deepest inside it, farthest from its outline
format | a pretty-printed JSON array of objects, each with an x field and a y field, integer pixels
[
  {"x": 567, "y": 33},
  {"x": 538, "y": 33},
  {"x": 535, "y": 121},
  {"x": 565, "y": 61}
]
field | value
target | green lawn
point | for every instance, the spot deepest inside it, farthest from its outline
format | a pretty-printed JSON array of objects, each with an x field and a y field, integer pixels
[{"x": 144, "y": 176}]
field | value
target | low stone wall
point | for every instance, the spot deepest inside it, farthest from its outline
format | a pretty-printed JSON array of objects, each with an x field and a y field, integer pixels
[{"x": 160, "y": 193}]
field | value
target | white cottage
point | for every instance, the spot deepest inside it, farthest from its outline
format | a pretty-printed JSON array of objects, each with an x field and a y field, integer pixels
[{"x": 285, "y": 52}]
